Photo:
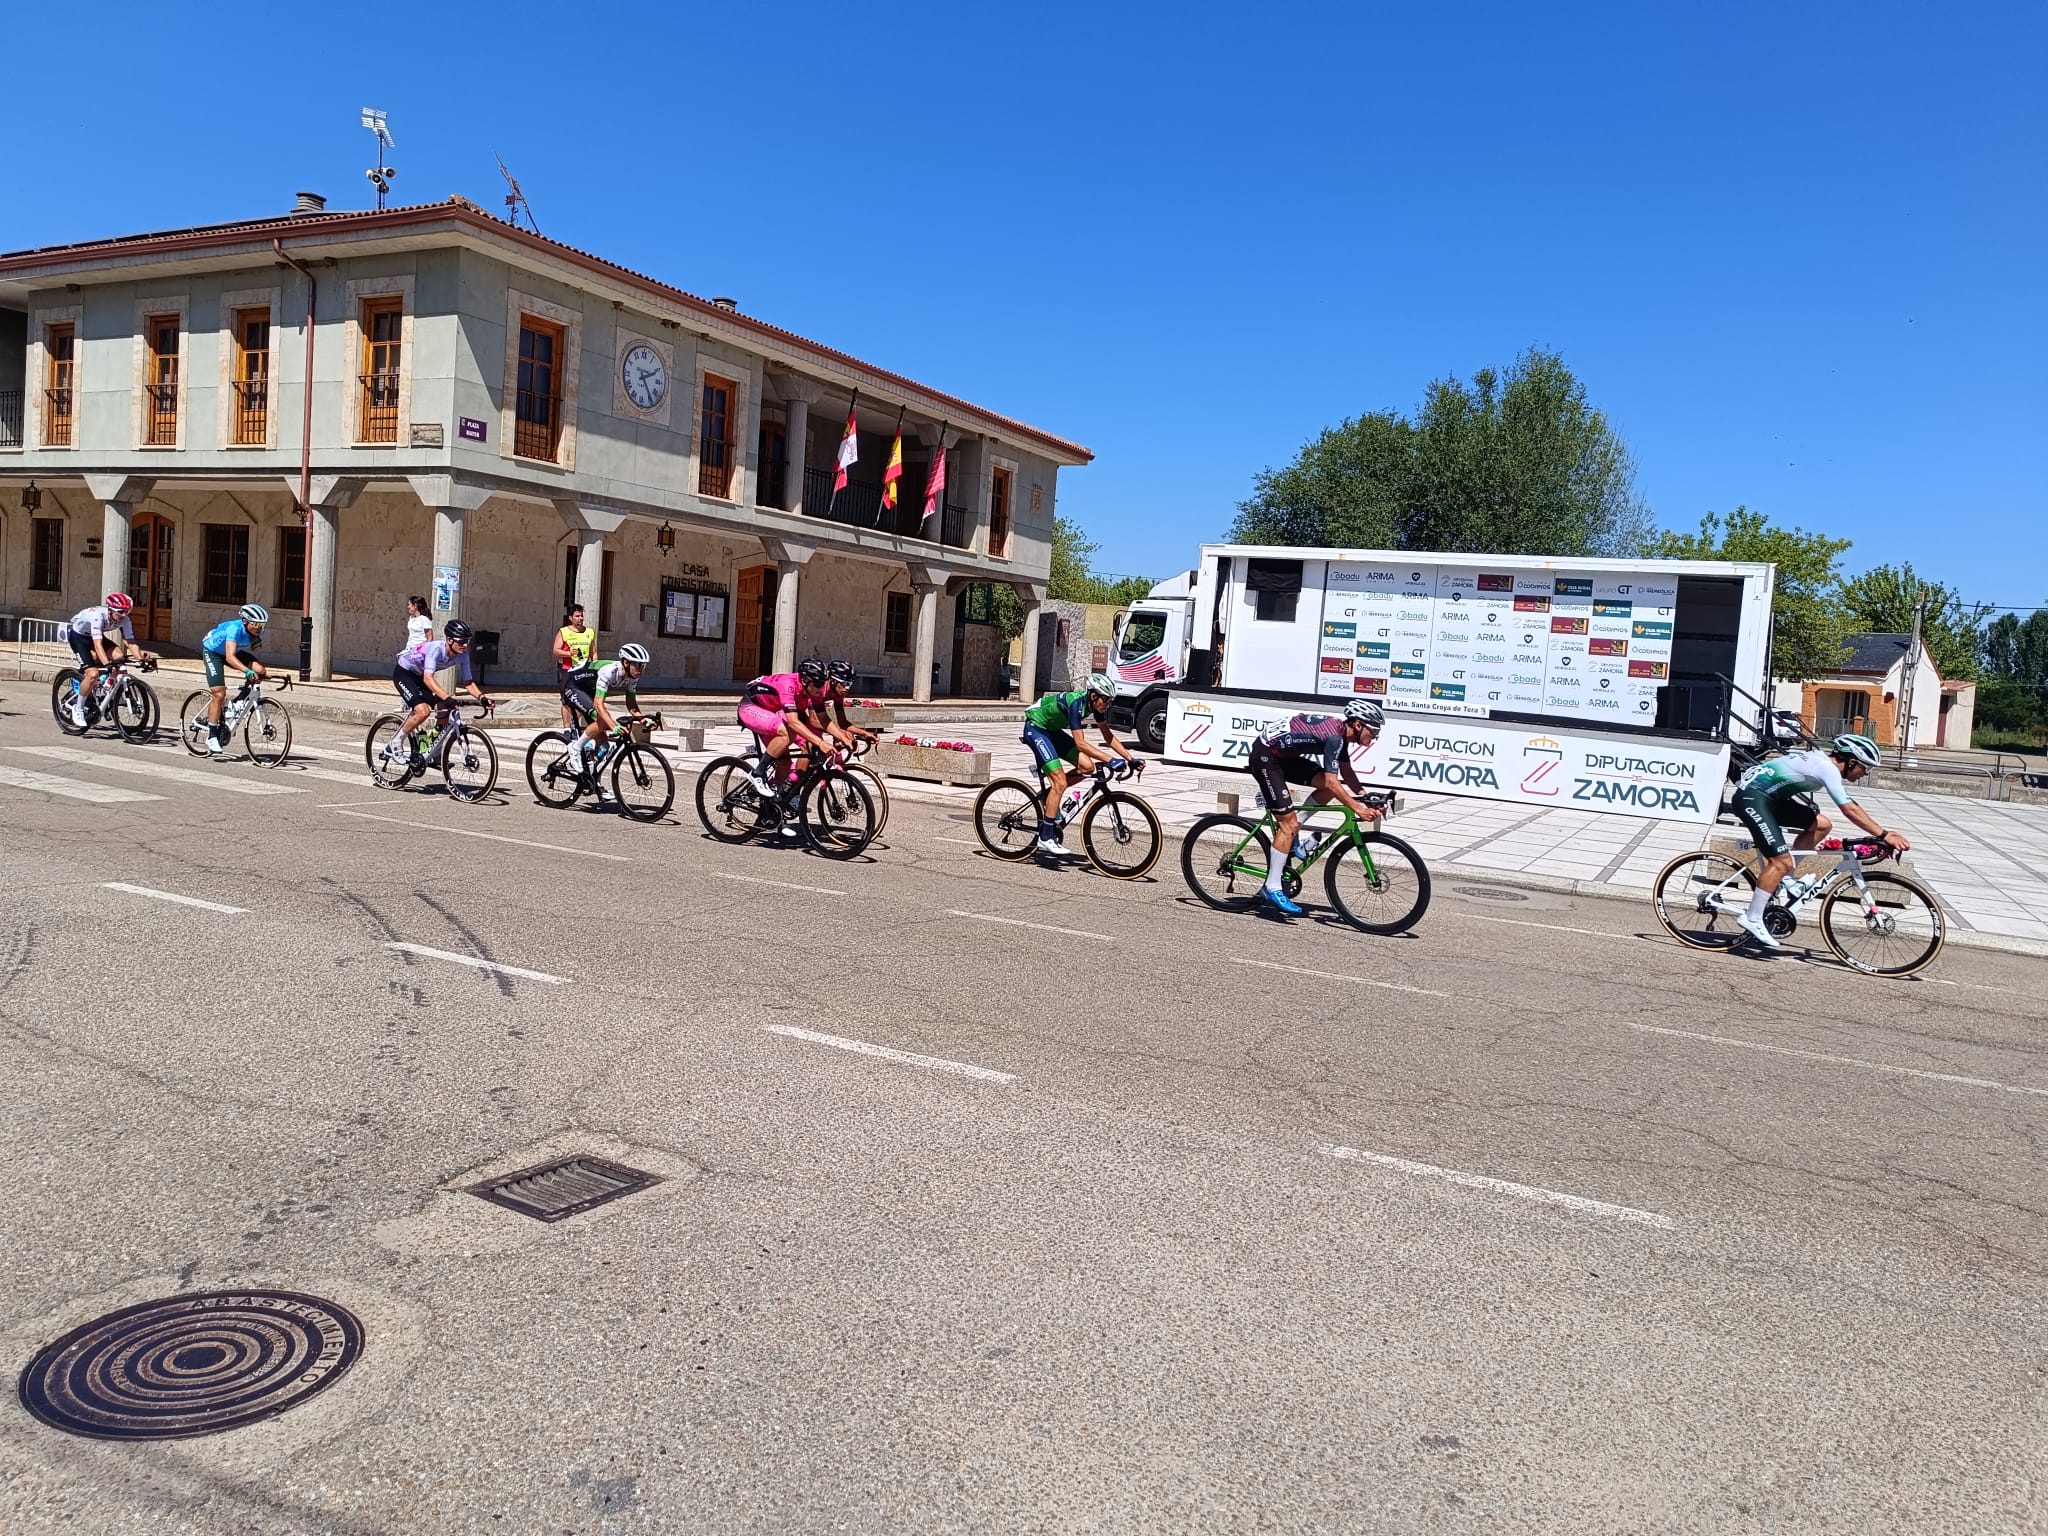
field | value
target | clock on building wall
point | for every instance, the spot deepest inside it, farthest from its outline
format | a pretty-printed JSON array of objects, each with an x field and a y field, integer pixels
[{"x": 644, "y": 376}]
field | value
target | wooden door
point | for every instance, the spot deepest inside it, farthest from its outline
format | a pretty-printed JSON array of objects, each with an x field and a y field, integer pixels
[
  {"x": 746, "y": 621},
  {"x": 152, "y": 547}
]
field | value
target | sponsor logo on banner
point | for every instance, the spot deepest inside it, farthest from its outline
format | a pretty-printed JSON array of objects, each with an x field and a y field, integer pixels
[
  {"x": 1491, "y": 637},
  {"x": 1490, "y": 658},
  {"x": 1441, "y": 744},
  {"x": 1374, "y": 650},
  {"x": 1532, "y": 605},
  {"x": 1414, "y": 669},
  {"x": 1340, "y": 631},
  {"x": 1569, "y": 626},
  {"x": 1529, "y": 658},
  {"x": 1496, "y": 583},
  {"x": 1525, "y": 679},
  {"x": 1561, "y": 701},
  {"x": 1368, "y": 685},
  {"x": 1612, "y": 607},
  {"x": 1452, "y": 691},
  {"x": 1649, "y": 669},
  {"x": 1200, "y": 720},
  {"x": 1450, "y": 775},
  {"x": 1604, "y": 701},
  {"x": 1603, "y": 647},
  {"x": 1542, "y": 758},
  {"x": 1646, "y": 629},
  {"x": 1336, "y": 663},
  {"x": 1647, "y": 797},
  {"x": 1573, "y": 586},
  {"x": 1411, "y": 616}
]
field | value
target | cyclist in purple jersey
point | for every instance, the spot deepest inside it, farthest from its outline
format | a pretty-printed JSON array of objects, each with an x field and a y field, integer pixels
[{"x": 1313, "y": 751}]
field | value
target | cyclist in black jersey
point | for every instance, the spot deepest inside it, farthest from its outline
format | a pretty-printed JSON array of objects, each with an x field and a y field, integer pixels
[{"x": 1313, "y": 751}]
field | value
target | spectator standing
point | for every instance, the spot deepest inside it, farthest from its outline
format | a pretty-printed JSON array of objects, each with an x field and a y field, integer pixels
[
  {"x": 574, "y": 648},
  {"x": 419, "y": 624}
]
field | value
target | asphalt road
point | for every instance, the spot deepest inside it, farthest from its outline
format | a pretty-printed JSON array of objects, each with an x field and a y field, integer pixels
[{"x": 1528, "y": 1221}]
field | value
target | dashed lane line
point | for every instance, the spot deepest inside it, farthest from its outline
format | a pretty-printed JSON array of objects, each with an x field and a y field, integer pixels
[
  {"x": 887, "y": 1053},
  {"x": 1363, "y": 981},
  {"x": 1505, "y": 1187},
  {"x": 489, "y": 837},
  {"x": 787, "y": 885},
  {"x": 183, "y": 901},
  {"x": 159, "y": 771},
  {"x": 1839, "y": 1061},
  {"x": 1018, "y": 922},
  {"x": 481, "y": 965},
  {"x": 73, "y": 789}
]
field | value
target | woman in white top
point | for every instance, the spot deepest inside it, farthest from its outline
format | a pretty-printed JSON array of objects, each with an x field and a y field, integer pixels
[{"x": 419, "y": 628}]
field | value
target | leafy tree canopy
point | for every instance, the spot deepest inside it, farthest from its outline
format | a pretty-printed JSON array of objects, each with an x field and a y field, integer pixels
[
  {"x": 2016, "y": 648},
  {"x": 1807, "y": 619},
  {"x": 1883, "y": 597}
]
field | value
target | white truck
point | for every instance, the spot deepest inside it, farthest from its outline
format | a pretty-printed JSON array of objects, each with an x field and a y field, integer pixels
[{"x": 1604, "y": 685}]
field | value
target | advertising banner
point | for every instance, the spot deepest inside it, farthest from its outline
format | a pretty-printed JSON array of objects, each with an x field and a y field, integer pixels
[
  {"x": 1580, "y": 771},
  {"x": 1466, "y": 641}
]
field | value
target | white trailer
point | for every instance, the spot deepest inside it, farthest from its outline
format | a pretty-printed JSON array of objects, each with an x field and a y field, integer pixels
[{"x": 1605, "y": 685}]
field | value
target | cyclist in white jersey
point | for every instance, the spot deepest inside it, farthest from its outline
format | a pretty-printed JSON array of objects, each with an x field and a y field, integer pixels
[{"x": 1777, "y": 793}]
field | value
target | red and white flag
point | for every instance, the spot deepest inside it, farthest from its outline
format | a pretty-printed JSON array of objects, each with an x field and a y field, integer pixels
[
  {"x": 849, "y": 447},
  {"x": 935, "y": 482}
]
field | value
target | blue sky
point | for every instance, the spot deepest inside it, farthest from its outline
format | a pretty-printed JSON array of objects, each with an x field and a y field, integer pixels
[{"x": 1795, "y": 252}]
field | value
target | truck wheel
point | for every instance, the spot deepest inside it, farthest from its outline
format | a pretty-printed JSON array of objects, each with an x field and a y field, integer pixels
[{"x": 1152, "y": 725}]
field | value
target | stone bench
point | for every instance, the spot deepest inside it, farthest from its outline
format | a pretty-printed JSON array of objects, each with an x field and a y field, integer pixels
[{"x": 935, "y": 765}]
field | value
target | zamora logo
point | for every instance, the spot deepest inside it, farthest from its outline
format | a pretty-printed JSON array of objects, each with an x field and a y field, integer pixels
[
  {"x": 1649, "y": 797},
  {"x": 1451, "y": 775},
  {"x": 1446, "y": 744}
]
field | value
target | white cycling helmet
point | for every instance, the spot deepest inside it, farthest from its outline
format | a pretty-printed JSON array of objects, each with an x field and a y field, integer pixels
[
  {"x": 1366, "y": 710},
  {"x": 1860, "y": 748},
  {"x": 255, "y": 613},
  {"x": 1102, "y": 684},
  {"x": 634, "y": 654}
]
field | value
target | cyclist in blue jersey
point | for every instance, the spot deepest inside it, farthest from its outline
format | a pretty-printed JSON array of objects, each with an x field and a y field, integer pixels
[
  {"x": 1777, "y": 793},
  {"x": 231, "y": 643},
  {"x": 1313, "y": 751}
]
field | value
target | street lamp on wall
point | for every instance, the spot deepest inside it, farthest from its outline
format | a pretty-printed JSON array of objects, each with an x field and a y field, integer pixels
[
  {"x": 31, "y": 498},
  {"x": 664, "y": 538}
]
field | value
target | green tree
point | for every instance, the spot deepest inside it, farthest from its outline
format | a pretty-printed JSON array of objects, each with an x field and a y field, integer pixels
[
  {"x": 1883, "y": 597},
  {"x": 1072, "y": 579},
  {"x": 1518, "y": 463},
  {"x": 2016, "y": 649},
  {"x": 1807, "y": 618}
]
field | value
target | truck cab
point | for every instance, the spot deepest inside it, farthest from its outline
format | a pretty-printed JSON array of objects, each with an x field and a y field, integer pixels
[{"x": 1148, "y": 657}]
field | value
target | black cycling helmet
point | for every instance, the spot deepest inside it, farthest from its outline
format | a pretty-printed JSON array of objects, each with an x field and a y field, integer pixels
[
  {"x": 840, "y": 672},
  {"x": 811, "y": 670},
  {"x": 456, "y": 629}
]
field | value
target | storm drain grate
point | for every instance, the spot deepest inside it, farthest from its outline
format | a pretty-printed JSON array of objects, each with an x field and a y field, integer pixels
[
  {"x": 565, "y": 1188},
  {"x": 1489, "y": 893}
]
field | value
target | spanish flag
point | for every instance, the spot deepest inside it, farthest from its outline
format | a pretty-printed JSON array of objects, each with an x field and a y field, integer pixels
[{"x": 893, "y": 472}]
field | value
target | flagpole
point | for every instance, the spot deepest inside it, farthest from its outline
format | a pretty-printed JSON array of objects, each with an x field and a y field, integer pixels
[{"x": 832, "y": 504}]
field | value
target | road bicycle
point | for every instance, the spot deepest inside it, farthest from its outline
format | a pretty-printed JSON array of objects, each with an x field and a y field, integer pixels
[
  {"x": 826, "y": 803},
  {"x": 1119, "y": 830},
  {"x": 467, "y": 756},
  {"x": 871, "y": 781},
  {"x": 643, "y": 784},
  {"x": 1880, "y": 922},
  {"x": 120, "y": 698},
  {"x": 265, "y": 724},
  {"x": 1375, "y": 881}
]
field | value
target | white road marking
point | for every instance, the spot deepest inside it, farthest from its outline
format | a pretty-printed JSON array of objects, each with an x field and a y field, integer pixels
[
  {"x": 1363, "y": 981},
  {"x": 968, "y": 842},
  {"x": 1523, "y": 922},
  {"x": 1504, "y": 1187},
  {"x": 482, "y": 965},
  {"x": 183, "y": 901},
  {"x": 159, "y": 771},
  {"x": 72, "y": 789},
  {"x": 1840, "y": 1061},
  {"x": 907, "y": 1058},
  {"x": 331, "y": 775},
  {"x": 1018, "y": 922},
  {"x": 787, "y": 885},
  {"x": 490, "y": 837}
]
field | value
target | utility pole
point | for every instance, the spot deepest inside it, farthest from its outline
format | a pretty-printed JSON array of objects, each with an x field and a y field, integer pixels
[{"x": 1906, "y": 756}]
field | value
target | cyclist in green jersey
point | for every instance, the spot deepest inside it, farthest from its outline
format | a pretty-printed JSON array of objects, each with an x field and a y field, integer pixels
[
  {"x": 1777, "y": 793},
  {"x": 1053, "y": 730}
]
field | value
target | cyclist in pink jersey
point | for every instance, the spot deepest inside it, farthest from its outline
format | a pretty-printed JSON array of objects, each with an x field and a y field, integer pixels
[{"x": 773, "y": 708}]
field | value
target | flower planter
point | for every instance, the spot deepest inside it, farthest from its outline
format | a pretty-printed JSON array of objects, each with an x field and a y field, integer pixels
[{"x": 936, "y": 765}]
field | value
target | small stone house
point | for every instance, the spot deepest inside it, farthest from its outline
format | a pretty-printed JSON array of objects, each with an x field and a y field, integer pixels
[{"x": 1867, "y": 691}]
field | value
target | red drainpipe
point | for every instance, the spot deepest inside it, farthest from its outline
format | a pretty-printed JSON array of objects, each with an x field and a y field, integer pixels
[{"x": 306, "y": 423}]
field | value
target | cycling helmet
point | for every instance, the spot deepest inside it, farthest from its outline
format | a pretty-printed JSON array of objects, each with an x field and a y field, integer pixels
[
  {"x": 1861, "y": 748},
  {"x": 119, "y": 602},
  {"x": 840, "y": 672},
  {"x": 634, "y": 655},
  {"x": 255, "y": 613},
  {"x": 1366, "y": 710},
  {"x": 811, "y": 670},
  {"x": 1102, "y": 684},
  {"x": 456, "y": 629}
]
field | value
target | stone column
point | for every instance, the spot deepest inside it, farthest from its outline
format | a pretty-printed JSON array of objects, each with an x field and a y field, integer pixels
[
  {"x": 1034, "y": 607},
  {"x": 796, "y": 440},
  {"x": 927, "y": 598},
  {"x": 590, "y": 577},
  {"x": 117, "y": 495},
  {"x": 790, "y": 559},
  {"x": 329, "y": 494},
  {"x": 448, "y": 540}
]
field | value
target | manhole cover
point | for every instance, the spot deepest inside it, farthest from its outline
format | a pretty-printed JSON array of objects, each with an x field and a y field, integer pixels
[
  {"x": 1489, "y": 893},
  {"x": 191, "y": 1365},
  {"x": 561, "y": 1189}
]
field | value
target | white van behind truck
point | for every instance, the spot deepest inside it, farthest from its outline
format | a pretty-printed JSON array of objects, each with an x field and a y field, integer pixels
[{"x": 1604, "y": 685}]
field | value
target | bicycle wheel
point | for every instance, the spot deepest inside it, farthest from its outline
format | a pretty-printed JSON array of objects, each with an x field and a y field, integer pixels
[
  {"x": 643, "y": 783},
  {"x": 727, "y": 802},
  {"x": 1121, "y": 835},
  {"x": 136, "y": 711},
  {"x": 878, "y": 792},
  {"x": 63, "y": 693},
  {"x": 1699, "y": 896},
  {"x": 1896, "y": 931},
  {"x": 267, "y": 733},
  {"x": 546, "y": 774},
  {"x": 385, "y": 772},
  {"x": 1006, "y": 818},
  {"x": 469, "y": 763},
  {"x": 1389, "y": 897},
  {"x": 1223, "y": 860},
  {"x": 192, "y": 722},
  {"x": 837, "y": 817}
]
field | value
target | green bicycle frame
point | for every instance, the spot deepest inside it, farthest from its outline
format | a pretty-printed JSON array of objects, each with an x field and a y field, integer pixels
[{"x": 1347, "y": 827}]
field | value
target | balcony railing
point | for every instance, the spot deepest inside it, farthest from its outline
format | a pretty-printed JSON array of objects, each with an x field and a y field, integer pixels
[
  {"x": 537, "y": 426},
  {"x": 860, "y": 506},
  {"x": 252, "y": 411},
  {"x": 10, "y": 417},
  {"x": 57, "y": 418},
  {"x": 160, "y": 415},
  {"x": 714, "y": 470},
  {"x": 379, "y": 422}
]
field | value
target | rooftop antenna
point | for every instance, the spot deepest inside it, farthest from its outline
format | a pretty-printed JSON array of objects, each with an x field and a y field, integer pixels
[
  {"x": 515, "y": 200},
  {"x": 380, "y": 174}
]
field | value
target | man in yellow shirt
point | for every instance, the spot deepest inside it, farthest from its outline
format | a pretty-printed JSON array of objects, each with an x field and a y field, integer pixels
[{"x": 574, "y": 646}]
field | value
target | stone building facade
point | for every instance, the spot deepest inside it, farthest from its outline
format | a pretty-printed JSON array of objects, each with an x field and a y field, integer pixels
[{"x": 496, "y": 421}]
